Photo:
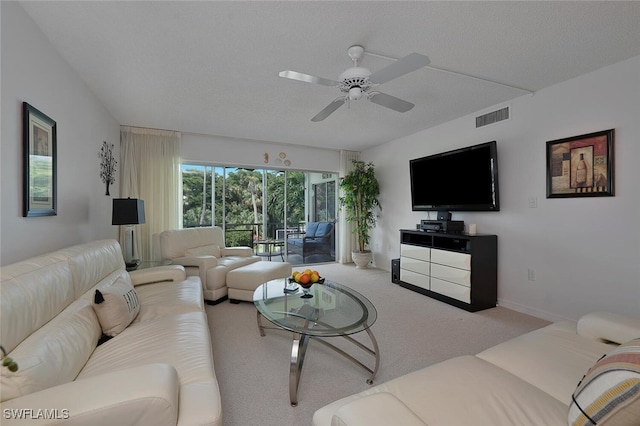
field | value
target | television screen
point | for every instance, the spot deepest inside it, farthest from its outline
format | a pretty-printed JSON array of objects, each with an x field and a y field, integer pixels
[{"x": 465, "y": 179}]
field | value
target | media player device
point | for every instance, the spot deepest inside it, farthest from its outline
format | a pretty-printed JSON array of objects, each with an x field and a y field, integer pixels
[
  {"x": 444, "y": 215},
  {"x": 442, "y": 225},
  {"x": 395, "y": 271}
]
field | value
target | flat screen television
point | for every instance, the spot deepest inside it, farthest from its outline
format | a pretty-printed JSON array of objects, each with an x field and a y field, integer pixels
[{"x": 464, "y": 179}]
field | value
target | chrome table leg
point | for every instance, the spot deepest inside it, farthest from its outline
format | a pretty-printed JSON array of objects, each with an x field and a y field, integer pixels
[
  {"x": 259, "y": 320},
  {"x": 298, "y": 351}
]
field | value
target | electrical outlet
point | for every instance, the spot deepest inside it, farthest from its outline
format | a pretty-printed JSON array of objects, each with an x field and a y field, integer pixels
[
  {"x": 531, "y": 274},
  {"x": 533, "y": 202}
]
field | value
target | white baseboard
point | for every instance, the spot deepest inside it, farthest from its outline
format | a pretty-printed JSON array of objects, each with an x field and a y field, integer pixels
[{"x": 532, "y": 311}]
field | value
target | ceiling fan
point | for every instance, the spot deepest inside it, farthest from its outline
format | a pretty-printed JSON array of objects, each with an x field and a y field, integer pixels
[{"x": 358, "y": 82}]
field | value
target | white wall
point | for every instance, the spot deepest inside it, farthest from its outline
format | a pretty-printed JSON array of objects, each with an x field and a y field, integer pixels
[
  {"x": 585, "y": 252},
  {"x": 242, "y": 152},
  {"x": 33, "y": 72}
]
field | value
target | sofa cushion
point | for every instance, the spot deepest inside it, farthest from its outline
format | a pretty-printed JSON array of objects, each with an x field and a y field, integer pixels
[
  {"x": 181, "y": 340},
  {"x": 378, "y": 409},
  {"x": 464, "y": 391},
  {"x": 323, "y": 229},
  {"x": 95, "y": 262},
  {"x": 55, "y": 353},
  {"x": 561, "y": 357},
  {"x": 173, "y": 243},
  {"x": 116, "y": 306},
  {"x": 44, "y": 284},
  {"x": 209, "y": 250},
  {"x": 295, "y": 242},
  {"x": 311, "y": 229},
  {"x": 163, "y": 299},
  {"x": 610, "y": 391}
]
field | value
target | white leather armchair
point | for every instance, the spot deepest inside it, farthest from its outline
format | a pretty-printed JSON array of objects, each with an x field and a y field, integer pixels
[{"x": 202, "y": 252}]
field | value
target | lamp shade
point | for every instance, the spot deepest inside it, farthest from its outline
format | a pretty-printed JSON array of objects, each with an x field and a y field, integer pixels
[{"x": 127, "y": 211}]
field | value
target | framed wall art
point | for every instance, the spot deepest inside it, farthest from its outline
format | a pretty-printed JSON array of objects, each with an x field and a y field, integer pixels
[
  {"x": 581, "y": 166},
  {"x": 39, "y": 162}
]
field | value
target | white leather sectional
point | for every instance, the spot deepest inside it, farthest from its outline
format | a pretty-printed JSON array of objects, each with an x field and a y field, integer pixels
[
  {"x": 526, "y": 381},
  {"x": 158, "y": 371}
]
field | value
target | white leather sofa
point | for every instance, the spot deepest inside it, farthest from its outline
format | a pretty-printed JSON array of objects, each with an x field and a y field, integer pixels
[
  {"x": 157, "y": 371},
  {"x": 202, "y": 252},
  {"x": 528, "y": 380}
]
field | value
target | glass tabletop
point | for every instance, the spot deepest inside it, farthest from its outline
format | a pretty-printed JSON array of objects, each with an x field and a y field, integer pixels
[{"x": 334, "y": 309}]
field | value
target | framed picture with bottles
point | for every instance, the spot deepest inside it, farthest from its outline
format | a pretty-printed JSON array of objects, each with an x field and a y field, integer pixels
[{"x": 581, "y": 166}]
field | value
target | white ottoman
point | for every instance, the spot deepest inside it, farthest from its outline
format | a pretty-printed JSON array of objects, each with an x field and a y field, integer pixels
[{"x": 243, "y": 281}]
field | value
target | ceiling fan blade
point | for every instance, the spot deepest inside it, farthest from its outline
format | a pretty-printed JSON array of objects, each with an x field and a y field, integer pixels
[
  {"x": 399, "y": 68},
  {"x": 329, "y": 109},
  {"x": 294, "y": 75},
  {"x": 391, "y": 102}
]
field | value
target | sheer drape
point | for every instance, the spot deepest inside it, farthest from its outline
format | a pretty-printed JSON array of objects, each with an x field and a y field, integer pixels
[
  {"x": 347, "y": 239},
  {"x": 151, "y": 172}
]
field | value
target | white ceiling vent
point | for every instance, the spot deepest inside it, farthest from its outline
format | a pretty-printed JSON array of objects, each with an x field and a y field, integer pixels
[{"x": 492, "y": 117}]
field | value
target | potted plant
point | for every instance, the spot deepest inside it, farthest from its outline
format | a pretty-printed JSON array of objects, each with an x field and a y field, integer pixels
[{"x": 360, "y": 198}]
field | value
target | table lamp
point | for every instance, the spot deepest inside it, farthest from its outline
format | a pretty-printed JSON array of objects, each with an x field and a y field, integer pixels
[{"x": 129, "y": 212}]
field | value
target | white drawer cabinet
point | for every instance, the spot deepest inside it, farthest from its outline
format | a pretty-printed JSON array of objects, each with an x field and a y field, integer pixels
[
  {"x": 458, "y": 269},
  {"x": 447, "y": 288},
  {"x": 413, "y": 265},
  {"x": 451, "y": 258},
  {"x": 454, "y": 275},
  {"x": 414, "y": 278},
  {"x": 415, "y": 252}
]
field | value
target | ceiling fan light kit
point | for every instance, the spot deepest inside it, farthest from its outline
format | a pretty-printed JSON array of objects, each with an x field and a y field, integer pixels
[{"x": 356, "y": 82}]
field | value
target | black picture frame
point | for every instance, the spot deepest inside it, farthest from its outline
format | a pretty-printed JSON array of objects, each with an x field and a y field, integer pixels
[
  {"x": 581, "y": 166},
  {"x": 39, "y": 141}
]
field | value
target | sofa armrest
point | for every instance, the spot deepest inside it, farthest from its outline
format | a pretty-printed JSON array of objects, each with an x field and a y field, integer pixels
[
  {"x": 380, "y": 408},
  {"x": 146, "y": 394},
  {"x": 609, "y": 327},
  {"x": 202, "y": 262},
  {"x": 237, "y": 251},
  {"x": 175, "y": 273}
]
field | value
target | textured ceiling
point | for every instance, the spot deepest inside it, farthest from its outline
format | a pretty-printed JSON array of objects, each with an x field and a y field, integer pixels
[{"x": 211, "y": 67}]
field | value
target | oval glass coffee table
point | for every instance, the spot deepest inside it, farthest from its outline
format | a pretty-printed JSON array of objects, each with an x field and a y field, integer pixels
[{"x": 334, "y": 310}]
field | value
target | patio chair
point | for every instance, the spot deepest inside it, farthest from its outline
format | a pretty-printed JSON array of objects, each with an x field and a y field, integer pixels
[{"x": 317, "y": 239}]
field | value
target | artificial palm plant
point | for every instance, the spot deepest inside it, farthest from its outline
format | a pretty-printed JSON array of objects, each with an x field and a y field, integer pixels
[{"x": 360, "y": 192}]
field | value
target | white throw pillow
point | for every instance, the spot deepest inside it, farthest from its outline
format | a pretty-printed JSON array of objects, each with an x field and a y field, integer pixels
[
  {"x": 210, "y": 250},
  {"x": 116, "y": 306}
]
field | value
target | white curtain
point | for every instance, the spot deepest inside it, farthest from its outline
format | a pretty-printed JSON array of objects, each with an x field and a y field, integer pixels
[
  {"x": 347, "y": 239},
  {"x": 151, "y": 172}
]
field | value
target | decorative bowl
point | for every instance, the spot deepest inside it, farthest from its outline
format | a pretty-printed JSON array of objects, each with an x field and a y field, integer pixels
[{"x": 309, "y": 284}]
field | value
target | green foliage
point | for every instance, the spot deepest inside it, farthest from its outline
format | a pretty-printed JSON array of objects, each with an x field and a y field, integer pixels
[
  {"x": 360, "y": 198},
  {"x": 241, "y": 196},
  {"x": 41, "y": 175}
]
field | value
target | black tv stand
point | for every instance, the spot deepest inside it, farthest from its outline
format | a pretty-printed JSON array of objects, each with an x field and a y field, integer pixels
[{"x": 455, "y": 268}]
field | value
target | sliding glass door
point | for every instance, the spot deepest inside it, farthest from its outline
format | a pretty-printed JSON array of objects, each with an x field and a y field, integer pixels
[{"x": 257, "y": 207}]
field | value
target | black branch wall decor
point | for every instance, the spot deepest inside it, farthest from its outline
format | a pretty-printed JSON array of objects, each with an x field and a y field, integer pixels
[{"x": 107, "y": 165}]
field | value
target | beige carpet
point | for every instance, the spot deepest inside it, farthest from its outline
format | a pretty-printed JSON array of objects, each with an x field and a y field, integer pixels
[{"x": 412, "y": 330}]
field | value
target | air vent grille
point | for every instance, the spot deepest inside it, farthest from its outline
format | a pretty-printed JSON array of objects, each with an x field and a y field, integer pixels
[{"x": 492, "y": 117}]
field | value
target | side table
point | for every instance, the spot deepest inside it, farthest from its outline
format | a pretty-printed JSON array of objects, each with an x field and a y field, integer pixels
[
  {"x": 147, "y": 264},
  {"x": 272, "y": 247}
]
